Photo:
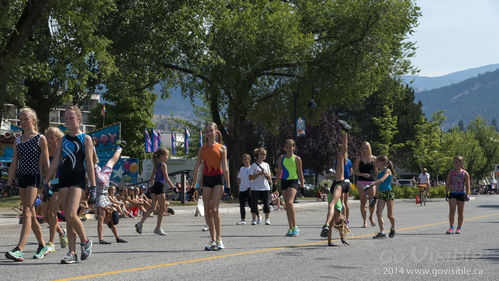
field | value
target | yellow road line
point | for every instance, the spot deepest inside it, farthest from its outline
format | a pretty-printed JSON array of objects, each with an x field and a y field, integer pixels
[{"x": 252, "y": 252}]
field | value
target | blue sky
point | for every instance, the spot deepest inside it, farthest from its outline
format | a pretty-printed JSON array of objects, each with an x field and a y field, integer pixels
[{"x": 454, "y": 35}]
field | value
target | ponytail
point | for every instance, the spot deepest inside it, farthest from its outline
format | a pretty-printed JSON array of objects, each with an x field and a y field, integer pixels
[
  {"x": 155, "y": 157},
  {"x": 383, "y": 158}
]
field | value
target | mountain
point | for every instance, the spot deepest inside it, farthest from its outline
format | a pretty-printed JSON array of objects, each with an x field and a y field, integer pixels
[
  {"x": 464, "y": 100},
  {"x": 175, "y": 105},
  {"x": 424, "y": 83}
]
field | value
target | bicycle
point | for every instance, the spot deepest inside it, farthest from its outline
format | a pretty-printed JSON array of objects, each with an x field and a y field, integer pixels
[{"x": 423, "y": 195}]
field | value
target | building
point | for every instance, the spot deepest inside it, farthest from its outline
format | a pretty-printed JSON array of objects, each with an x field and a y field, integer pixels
[{"x": 56, "y": 117}]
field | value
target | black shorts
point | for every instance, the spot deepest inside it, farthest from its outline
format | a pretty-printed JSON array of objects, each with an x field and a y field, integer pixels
[
  {"x": 345, "y": 187},
  {"x": 458, "y": 196},
  {"x": 212, "y": 181},
  {"x": 29, "y": 180},
  {"x": 55, "y": 188},
  {"x": 289, "y": 183},
  {"x": 341, "y": 184},
  {"x": 67, "y": 182},
  {"x": 158, "y": 188}
]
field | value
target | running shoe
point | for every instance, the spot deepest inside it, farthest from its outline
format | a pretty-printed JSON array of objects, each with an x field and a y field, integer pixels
[
  {"x": 205, "y": 227},
  {"x": 171, "y": 211},
  {"x": 290, "y": 232},
  {"x": 70, "y": 258},
  {"x": 259, "y": 220},
  {"x": 51, "y": 247},
  {"x": 220, "y": 244},
  {"x": 295, "y": 231},
  {"x": 392, "y": 233},
  {"x": 159, "y": 231},
  {"x": 121, "y": 143},
  {"x": 267, "y": 222},
  {"x": 86, "y": 249},
  {"x": 212, "y": 246},
  {"x": 380, "y": 235},
  {"x": 138, "y": 227},
  {"x": 253, "y": 222},
  {"x": 15, "y": 255},
  {"x": 241, "y": 223},
  {"x": 458, "y": 230},
  {"x": 324, "y": 231},
  {"x": 41, "y": 252},
  {"x": 121, "y": 240},
  {"x": 104, "y": 242},
  {"x": 451, "y": 230},
  {"x": 344, "y": 125},
  {"x": 63, "y": 239}
]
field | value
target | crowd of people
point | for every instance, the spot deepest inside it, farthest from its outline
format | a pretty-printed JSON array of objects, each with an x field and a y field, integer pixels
[{"x": 64, "y": 170}]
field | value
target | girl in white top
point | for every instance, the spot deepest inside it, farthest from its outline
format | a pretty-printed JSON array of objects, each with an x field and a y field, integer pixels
[
  {"x": 260, "y": 187},
  {"x": 244, "y": 187}
]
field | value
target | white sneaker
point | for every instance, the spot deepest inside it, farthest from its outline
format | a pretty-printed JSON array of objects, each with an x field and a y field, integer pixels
[
  {"x": 220, "y": 244},
  {"x": 267, "y": 221},
  {"x": 205, "y": 228},
  {"x": 51, "y": 247},
  {"x": 253, "y": 222},
  {"x": 159, "y": 231},
  {"x": 259, "y": 220},
  {"x": 241, "y": 222}
]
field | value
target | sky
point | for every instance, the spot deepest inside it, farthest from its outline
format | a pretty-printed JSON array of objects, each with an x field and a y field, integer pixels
[{"x": 455, "y": 35}]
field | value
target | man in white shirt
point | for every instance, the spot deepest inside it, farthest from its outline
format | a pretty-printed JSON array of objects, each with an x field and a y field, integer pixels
[{"x": 424, "y": 180}]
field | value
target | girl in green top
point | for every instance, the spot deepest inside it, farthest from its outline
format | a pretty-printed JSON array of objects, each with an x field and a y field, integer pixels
[{"x": 289, "y": 170}]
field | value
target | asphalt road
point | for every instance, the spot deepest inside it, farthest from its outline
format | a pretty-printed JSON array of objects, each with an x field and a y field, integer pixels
[{"x": 420, "y": 251}]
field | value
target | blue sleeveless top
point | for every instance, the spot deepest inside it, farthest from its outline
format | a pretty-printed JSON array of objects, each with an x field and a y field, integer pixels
[
  {"x": 385, "y": 185},
  {"x": 159, "y": 177}
]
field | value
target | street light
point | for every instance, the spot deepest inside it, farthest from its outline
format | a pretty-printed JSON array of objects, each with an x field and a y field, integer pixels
[{"x": 311, "y": 104}]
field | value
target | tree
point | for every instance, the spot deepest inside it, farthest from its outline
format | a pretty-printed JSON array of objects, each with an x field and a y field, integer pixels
[
  {"x": 494, "y": 124},
  {"x": 488, "y": 140},
  {"x": 460, "y": 126}
]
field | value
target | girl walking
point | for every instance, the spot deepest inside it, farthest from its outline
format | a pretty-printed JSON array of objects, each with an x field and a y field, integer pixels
[
  {"x": 288, "y": 171},
  {"x": 244, "y": 187},
  {"x": 30, "y": 158},
  {"x": 458, "y": 183},
  {"x": 365, "y": 171},
  {"x": 214, "y": 157},
  {"x": 159, "y": 176},
  {"x": 260, "y": 187},
  {"x": 74, "y": 156},
  {"x": 54, "y": 136},
  {"x": 384, "y": 194}
]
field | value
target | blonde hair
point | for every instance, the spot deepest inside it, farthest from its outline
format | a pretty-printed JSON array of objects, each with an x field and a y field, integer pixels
[
  {"x": 342, "y": 226},
  {"x": 56, "y": 132},
  {"x": 32, "y": 114},
  {"x": 77, "y": 111},
  {"x": 217, "y": 132},
  {"x": 460, "y": 159},
  {"x": 155, "y": 157},
  {"x": 368, "y": 148},
  {"x": 246, "y": 155},
  {"x": 259, "y": 150}
]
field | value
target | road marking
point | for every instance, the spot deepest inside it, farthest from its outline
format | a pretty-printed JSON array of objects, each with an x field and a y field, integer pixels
[{"x": 253, "y": 252}]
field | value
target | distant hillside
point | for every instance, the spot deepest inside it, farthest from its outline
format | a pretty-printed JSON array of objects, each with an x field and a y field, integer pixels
[
  {"x": 176, "y": 105},
  {"x": 465, "y": 100},
  {"x": 424, "y": 83}
]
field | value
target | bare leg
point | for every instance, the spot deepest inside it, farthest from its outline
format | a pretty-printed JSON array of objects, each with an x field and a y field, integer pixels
[
  {"x": 363, "y": 203},
  {"x": 460, "y": 213},
  {"x": 330, "y": 209},
  {"x": 160, "y": 198},
  {"x": 151, "y": 209},
  {"x": 28, "y": 197},
  {"x": 289, "y": 196},
  {"x": 216, "y": 195},
  {"x": 346, "y": 207},
  {"x": 371, "y": 209},
  {"x": 100, "y": 223},
  {"x": 70, "y": 198},
  {"x": 389, "y": 209},
  {"x": 379, "y": 213},
  {"x": 207, "y": 198},
  {"x": 452, "y": 210}
]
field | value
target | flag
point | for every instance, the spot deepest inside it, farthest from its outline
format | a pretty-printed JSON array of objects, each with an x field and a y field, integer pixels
[
  {"x": 173, "y": 143},
  {"x": 186, "y": 138},
  {"x": 159, "y": 139},
  {"x": 103, "y": 110},
  {"x": 148, "y": 141},
  {"x": 155, "y": 141},
  {"x": 200, "y": 137}
]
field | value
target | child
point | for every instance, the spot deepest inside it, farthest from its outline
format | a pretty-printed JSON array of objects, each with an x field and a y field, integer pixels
[
  {"x": 102, "y": 204},
  {"x": 458, "y": 183},
  {"x": 260, "y": 188},
  {"x": 117, "y": 204},
  {"x": 339, "y": 222},
  {"x": 159, "y": 176},
  {"x": 244, "y": 187},
  {"x": 74, "y": 156},
  {"x": 214, "y": 157},
  {"x": 384, "y": 194},
  {"x": 276, "y": 200},
  {"x": 54, "y": 136},
  {"x": 288, "y": 171},
  {"x": 30, "y": 153}
]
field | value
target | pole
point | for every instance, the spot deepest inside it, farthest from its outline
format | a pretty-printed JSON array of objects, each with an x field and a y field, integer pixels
[{"x": 295, "y": 98}]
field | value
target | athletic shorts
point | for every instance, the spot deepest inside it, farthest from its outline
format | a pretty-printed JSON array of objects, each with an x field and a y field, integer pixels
[
  {"x": 55, "y": 187},
  {"x": 29, "y": 180},
  {"x": 337, "y": 183},
  {"x": 212, "y": 181},
  {"x": 458, "y": 196},
  {"x": 345, "y": 187},
  {"x": 158, "y": 188},
  {"x": 386, "y": 195},
  {"x": 67, "y": 182},
  {"x": 289, "y": 183}
]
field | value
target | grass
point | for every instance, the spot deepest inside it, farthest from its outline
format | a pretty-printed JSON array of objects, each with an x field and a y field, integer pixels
[{"x": 6, "y": 203}]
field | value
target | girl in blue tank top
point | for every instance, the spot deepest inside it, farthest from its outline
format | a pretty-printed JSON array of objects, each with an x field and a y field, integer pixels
[{"x": 384, "y": 194}]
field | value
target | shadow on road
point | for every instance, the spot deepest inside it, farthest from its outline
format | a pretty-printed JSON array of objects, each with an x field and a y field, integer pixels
[{"x": 489, "y": 206}]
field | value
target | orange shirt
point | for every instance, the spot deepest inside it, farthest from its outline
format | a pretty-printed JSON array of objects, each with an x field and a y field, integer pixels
[{"x": 212, "y": 157}]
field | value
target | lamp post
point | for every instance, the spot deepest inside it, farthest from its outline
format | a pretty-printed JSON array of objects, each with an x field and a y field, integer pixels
[{"x": 311, "y": 104}]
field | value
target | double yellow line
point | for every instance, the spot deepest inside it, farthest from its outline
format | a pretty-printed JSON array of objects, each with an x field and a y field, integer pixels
[{"x": 252, "y": 252}]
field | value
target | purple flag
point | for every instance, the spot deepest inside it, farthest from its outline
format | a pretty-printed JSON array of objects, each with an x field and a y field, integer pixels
[
  {"x": 173, "y": 143},
  {"x": 148, "y": 141},
  {"x": 186, "y": 138},
  {"x": 154, "y": 140}
]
